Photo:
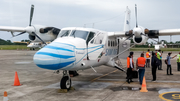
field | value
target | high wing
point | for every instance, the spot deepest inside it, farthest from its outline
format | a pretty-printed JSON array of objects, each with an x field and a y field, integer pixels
[
  {"x": 12, "y": 29},
  {"x": 151, "y": 33},
  {"x": 169, "y": 32}
]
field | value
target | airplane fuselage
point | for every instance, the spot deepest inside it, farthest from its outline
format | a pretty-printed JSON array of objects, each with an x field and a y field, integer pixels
[{"x": 77, "y": 49}]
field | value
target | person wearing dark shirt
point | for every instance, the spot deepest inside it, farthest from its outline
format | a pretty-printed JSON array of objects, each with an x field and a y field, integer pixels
[
  {"x": 154, "y": 64},
  {"x": 130, "y": 66}
]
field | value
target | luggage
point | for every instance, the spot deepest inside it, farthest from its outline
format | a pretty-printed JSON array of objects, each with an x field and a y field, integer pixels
[
  {"x": 165, "y": 61},
  {"x": 135, "y": 74}
]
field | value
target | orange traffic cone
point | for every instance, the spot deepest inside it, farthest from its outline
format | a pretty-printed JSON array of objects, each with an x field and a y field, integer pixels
[
  {"x": 143, "y": 87},
  {"x": 16, "y": 80},
  {"x": 5, "y": 97}
]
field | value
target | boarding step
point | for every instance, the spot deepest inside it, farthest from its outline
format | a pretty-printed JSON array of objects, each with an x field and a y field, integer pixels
[{"x": 119, "y": 65}]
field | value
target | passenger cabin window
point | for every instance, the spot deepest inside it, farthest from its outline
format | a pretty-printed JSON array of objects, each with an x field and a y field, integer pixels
[
  {"x": 64, "y": 33},
  {"x": 109, "y": 43},
  {"x": 79, "y": 34}
]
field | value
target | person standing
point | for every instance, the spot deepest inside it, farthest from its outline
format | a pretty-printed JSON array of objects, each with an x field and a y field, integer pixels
[
  {"x": 140, "y": 65},
  {"x": 154, "y": 64},
  {"x": 169, "y": 63},
  {"x": 178, "y": 62},
  {"x": 148, "y": 55},
  {"x": 130, "y": 66},
  {"x": 159, "y": 56}
]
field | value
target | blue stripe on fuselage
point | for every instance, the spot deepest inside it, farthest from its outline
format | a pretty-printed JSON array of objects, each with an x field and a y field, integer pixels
[
  {"x": 55, "y": 55},
  {"x": 58, "y": 48},
  {"x": 55, "y": 66}
]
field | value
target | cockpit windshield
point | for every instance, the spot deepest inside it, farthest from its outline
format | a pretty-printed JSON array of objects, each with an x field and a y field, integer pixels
[
  {"x": 79, "y": 34},
  {"x": 64, "y": 33}
]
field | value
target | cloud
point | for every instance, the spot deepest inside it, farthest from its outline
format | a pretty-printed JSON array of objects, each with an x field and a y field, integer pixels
[{"x": 161, "y": 14}]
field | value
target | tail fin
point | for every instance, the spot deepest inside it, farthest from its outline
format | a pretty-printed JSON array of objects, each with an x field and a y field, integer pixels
[{"x": 127, "y": 20}]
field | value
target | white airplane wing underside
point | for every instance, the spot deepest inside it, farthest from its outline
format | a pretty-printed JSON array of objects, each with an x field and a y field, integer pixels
[
  {"x": 12, "y": 29},
  {"x": 150, "y": 33},
  {"x": 169, "y": 32}
]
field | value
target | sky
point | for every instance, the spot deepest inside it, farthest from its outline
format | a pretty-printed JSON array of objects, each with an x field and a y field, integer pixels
[{"x": 107, "y": 15}]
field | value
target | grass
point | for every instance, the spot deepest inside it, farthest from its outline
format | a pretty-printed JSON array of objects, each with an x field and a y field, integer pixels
[
  {"x": 24, "y": 47},
  {"x": 13, "y": 47}
]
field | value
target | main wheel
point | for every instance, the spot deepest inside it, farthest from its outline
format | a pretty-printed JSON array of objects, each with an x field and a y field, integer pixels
[{"x": 65, "y": 83}]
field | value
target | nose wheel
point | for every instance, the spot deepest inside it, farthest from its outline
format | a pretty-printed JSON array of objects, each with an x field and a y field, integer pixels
[{"x": 65, "y": 82}]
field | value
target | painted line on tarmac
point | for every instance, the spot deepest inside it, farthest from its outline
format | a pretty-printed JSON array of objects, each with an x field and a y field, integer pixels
[
  {"x": 23, "y": 62},
  {"x": 103, "y": 75},
  {"x": 170, "y": 96},
  {"x": 138, "y": 80}
]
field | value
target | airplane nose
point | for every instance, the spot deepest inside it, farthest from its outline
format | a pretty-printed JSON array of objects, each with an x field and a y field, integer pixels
[
  {"x": 47, "y": 60},
  {"x": 54, "y": 56}
]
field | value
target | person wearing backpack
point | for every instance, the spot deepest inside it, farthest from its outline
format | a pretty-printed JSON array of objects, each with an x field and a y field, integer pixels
[
  {"x": 154, "y": 64},
  {"x": 169, "y": 63}
]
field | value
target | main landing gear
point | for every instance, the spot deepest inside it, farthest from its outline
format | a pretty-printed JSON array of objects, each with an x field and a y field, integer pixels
[{"x": 65, "y": 82}]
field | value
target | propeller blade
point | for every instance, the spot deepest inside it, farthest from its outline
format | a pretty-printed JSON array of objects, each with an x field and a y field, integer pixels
[
  {"x": 31, "y": 14},
  {"x": 150, "y": 38},
  {"x": 20, "y": 34},
  {"x": 39, "y": 38},
  {"x": 136, "y": 15}
]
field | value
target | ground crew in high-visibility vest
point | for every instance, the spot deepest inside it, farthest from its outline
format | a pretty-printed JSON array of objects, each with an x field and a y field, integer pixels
[
  {"x": 159, "y": 56},
  {"x": 178, "y": 62},
  {"x": 148, "y": 55},
  {"x": 130, "y": 66},
  {"x": 140, "y": 66}
]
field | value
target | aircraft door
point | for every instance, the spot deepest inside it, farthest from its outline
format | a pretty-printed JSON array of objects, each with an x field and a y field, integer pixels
[
  {"x": 95, "y": 45},
  {"x": 90, "y": 36},
  {"x": 123, "y": 45}
]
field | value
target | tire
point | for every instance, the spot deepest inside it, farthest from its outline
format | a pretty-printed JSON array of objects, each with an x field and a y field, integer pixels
[{"x": 65, "y": 83}]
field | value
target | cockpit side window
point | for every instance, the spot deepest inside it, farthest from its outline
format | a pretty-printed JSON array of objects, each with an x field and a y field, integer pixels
[
  {"x": 79, "y": 34},
  {"x": 99, "y": 38},
  {"x": 91, "y": 35},
  {"x": 64, "y": 33}
]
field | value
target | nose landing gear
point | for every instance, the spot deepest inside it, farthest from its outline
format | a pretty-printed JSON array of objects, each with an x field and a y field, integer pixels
[{"x": 65, "y": 82}]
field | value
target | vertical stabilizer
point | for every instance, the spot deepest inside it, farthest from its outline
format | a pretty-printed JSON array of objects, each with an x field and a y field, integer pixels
[{"x": 127, "y": 20}]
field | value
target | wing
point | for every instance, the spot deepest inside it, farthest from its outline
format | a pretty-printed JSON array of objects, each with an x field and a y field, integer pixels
[
  {"x": 12, "y": 29},
  {"x": 117, "y": 34},
  {"x": 166, "y": 32}
]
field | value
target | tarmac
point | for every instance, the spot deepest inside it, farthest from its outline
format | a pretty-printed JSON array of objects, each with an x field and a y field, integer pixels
[{"x": 108, "y": 84}]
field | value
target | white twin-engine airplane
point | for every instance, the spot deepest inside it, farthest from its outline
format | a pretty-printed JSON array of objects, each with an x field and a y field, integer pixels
[{"x": 83, "y": 48}]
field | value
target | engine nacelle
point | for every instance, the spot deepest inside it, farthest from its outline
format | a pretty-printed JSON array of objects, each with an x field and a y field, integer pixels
[
  {"x": 140, "y": 40},
  {"x": 46, "y": 36}
]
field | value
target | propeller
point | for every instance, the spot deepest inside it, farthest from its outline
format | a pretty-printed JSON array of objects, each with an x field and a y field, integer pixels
[
  {"x": 138, "y": 31},
  {"x": 29, "y": 29}
]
